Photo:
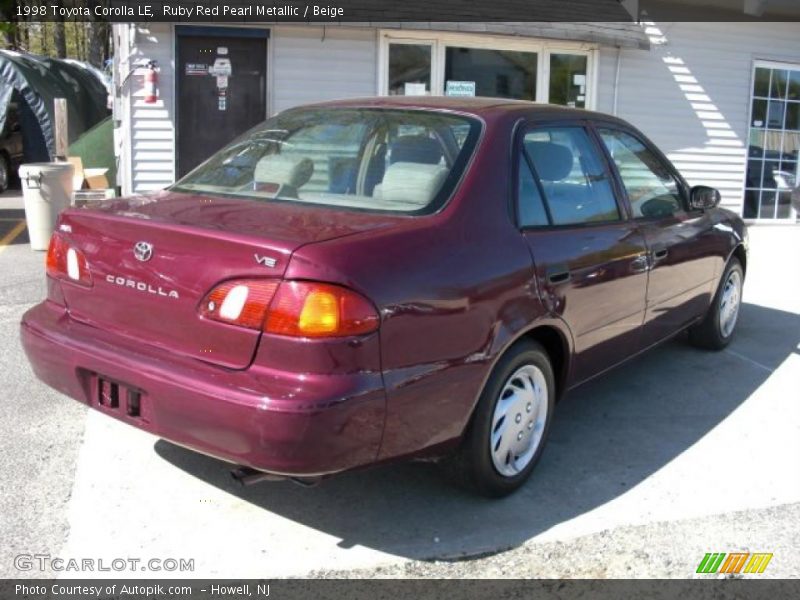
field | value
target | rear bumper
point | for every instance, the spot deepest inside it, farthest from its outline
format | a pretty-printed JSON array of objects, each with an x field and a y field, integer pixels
[{"x": 287, "y": 423}]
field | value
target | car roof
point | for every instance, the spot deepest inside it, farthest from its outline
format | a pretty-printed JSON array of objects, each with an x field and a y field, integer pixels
[{"x": 478, "y": 106}]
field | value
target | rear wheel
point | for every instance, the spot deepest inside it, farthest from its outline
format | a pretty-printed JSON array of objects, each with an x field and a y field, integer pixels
[
  {"x": 508, "y": 431},
  {"x": 716, "y": 330},
  {"x": 5, "y": 172}
]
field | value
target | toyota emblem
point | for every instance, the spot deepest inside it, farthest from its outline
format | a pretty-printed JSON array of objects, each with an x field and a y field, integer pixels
[{"x": 143, "y": 251}]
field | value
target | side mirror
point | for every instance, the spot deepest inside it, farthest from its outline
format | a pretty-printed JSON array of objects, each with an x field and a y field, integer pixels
[{"x": 703, "y": 197}]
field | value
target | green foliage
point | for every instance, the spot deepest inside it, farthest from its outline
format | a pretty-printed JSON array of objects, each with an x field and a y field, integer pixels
[{"x": 38, "y": 38}]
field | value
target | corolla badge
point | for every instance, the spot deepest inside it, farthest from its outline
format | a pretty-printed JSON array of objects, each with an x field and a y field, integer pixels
[
  {"x": 141, "y": 286},
  {"x": 143, "y": 251}
]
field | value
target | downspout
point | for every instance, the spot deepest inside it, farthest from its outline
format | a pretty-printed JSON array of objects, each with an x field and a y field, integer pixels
[{"x": 616, "y": 80}]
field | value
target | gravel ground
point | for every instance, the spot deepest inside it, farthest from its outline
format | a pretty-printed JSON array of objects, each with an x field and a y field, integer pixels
[{"x": 658, "y": 550}]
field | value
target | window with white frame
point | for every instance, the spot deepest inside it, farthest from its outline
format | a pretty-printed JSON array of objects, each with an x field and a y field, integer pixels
[
  {"x": 774, "y": 143},
  {"x": 409, "y": 69},
  {"x": 490, "y": 72},
  {"x": 417, "y": 63}
]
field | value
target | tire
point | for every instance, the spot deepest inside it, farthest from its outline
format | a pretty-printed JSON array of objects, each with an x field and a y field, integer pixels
[
  {"x": 5, "y": 172},
  {"x": 716, "y": 330},
  {"x": 508, "y": 408}
]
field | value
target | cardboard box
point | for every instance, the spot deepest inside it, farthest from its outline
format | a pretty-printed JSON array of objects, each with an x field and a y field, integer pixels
[{"x": 87, "y": 179}]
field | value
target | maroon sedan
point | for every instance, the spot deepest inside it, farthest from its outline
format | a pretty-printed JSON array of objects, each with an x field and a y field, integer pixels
[{"x": 355, "y": 282}]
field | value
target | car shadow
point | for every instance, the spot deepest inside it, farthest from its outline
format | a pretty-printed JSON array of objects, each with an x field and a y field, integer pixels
[{"x": 608, "y": 436}]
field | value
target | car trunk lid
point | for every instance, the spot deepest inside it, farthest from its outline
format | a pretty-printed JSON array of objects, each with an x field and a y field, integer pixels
[{"x": 196, "y": 242}]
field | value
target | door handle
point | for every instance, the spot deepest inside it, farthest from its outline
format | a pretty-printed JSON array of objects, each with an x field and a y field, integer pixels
[
  {"x": 640, "y": 264},
  {"x": 660, "y": 254},
  {"x": 558, "y": 274}
]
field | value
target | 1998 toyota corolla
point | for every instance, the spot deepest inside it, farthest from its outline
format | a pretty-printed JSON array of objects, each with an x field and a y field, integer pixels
[{"x": 366, "y": 280}]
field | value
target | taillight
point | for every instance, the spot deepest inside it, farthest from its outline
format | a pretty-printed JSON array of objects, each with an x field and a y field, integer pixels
[
  {"x": 309, "y": 309},
  {"x": 240, "y": 302},
  {"x": 292, "y": 308},
  {"x": 67, "y": 262}
]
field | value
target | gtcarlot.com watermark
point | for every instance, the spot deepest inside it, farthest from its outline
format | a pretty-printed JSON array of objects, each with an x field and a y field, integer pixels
[{"x": 46, "y": 562}]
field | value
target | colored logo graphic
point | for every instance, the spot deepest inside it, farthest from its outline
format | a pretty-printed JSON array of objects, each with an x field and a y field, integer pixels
[{"x": 735, "y": 562}]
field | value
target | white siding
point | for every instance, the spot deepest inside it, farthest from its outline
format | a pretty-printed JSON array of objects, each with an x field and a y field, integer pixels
[
  {"x": 308, "y": 65},
  {"x": 147, "y": 160},
  {"x": 311, "y": 64},
  {"x": 691, "y": 93}
]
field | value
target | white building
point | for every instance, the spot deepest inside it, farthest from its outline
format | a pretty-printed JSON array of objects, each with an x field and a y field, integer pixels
[{"x": 721, "y": 99}]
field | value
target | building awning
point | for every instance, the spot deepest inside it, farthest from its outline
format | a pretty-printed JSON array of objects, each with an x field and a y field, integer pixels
[{"x": 621, "y": 34}]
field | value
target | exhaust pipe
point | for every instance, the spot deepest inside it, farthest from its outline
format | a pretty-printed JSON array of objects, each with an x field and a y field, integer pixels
[{"x": 246, "y": 476}]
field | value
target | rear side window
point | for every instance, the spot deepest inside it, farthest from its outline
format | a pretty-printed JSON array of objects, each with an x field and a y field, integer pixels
[
  {"x": 651, "y": 188},
  {"x": 573, "y": 177},
  {"x": 369, "y": 159},
  {"x": 531, "y": 211}
]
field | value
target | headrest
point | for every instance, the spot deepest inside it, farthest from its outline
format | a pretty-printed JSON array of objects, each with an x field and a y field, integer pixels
[
  {"x": 553, "y": 161},
  {"x": 284, "y": 169},
  {"x": 412, "y": 183},
  {"x": 416, "y": 149}
]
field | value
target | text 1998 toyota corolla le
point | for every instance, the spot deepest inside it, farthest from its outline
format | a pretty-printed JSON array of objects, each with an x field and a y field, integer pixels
[{"x": 360, "y": 281}]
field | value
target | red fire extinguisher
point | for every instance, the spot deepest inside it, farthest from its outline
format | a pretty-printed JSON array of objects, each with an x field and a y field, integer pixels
[{"x": 150, "y": 83}]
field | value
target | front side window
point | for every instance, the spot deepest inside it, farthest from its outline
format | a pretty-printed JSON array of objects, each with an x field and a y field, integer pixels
[
  {"x": 576, "y": 186},
  {"x": 651, "y": 188},
  {"x": 370, "y": 159}
]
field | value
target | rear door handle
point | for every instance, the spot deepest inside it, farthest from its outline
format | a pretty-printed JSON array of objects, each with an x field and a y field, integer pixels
[{"x": 558, "y": 274}]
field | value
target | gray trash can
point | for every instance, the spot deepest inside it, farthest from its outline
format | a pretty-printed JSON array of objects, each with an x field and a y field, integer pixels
[{"x": 47, "y": 189}]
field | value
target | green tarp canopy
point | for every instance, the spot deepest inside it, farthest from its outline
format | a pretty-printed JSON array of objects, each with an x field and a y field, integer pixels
[{"x": 35, "y": 81}]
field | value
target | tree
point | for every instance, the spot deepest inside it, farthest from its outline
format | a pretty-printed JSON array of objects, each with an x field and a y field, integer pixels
[
  {"x": 86, "y": 41},
  {"x": 8, "y": 29},
  {"x": 60, "y": 36},
  {"x": 98, "y": 43}
]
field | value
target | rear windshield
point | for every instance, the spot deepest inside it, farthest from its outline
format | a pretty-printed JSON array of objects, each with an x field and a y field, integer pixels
[{"x": 370, "y": 159}]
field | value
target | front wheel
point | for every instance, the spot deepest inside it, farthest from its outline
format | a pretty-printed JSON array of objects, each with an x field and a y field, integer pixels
[
  {"x": 716, "y": 330},
  {"x": 509, "y": 428}
]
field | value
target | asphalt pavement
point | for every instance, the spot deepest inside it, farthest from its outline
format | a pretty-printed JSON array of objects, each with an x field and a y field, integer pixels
[{"x": 678, "y": 453}]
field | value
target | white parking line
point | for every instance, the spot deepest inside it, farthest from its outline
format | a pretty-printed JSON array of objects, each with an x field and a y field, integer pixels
[{"x": 750, "y": 360}]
